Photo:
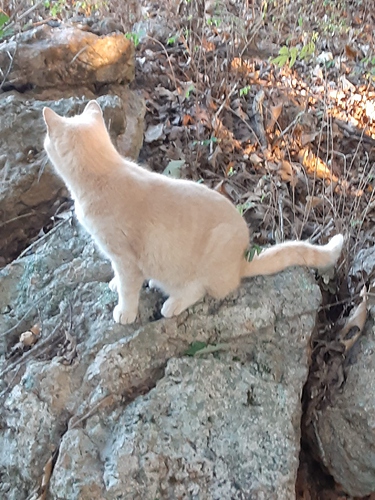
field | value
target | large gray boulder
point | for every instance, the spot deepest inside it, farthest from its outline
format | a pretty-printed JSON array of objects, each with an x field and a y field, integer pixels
[
  {"x": 122, "y": 409},
  {"x": 342, "y": 431}
]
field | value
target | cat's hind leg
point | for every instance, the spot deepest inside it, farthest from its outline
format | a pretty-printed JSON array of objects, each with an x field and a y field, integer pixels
[
  {"x": 113, "y": 284},
  {"x": 181, "y": 299},
  {"x": 155, "y": 285}
]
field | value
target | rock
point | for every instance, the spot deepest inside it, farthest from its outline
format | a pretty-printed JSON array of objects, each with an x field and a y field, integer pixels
[
  {"x": 63, "y": 57},
  {"x": 342, "y": 433},
  {"x": 30, "y": 192},
  {"x": 124, "y": 411}
]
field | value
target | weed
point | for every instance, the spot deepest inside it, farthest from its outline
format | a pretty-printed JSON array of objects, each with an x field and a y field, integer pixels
[
  {"x": 134, "y": 37},
  {"x": 251, "y": 252},
  {"x": 55, "y": 7},
  {"x": 289, "y": 55},
  {"x": 245, "y": 90},
  {"x": 3, "y": 23},
  {"x": 244, "y": 207},
  {"x": 195, "y": 347}
]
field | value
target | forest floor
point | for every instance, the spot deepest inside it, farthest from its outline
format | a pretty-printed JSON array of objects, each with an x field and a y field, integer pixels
[{"x": 272, "y": 103}]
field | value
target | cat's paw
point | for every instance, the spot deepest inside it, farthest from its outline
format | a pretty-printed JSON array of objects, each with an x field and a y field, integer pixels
[
  {"x": 113, "y": 285},
  {"x": 124, "y": 316},
  {"x": 172, "y": 307}
]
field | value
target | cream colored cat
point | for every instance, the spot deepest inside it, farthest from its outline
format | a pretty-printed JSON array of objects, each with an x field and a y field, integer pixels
[{"x": 186, "y": 238}]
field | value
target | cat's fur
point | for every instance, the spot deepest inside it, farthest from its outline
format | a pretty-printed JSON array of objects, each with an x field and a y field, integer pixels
[{"x": 190, "y": 240}]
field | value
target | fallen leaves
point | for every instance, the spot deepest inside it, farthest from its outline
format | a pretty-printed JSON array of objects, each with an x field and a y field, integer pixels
[{"x": 315, "y": 166}]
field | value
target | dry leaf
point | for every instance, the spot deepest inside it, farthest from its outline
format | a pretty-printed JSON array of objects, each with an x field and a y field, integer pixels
[
  {"x": 36, "y": 329},
  {"x": 307, "y": 138},
  {"x": 351, "y": 52},
  {"x": 47, "y": 472},
  {"x": 355, "y": 322},
  {"x": 173, "y": 169},
  {"x": 287, "y": 173},
  {"x": 187, "y": 120},
  {"x": 313, "y": 202},
  {"x": 315, "y": 166},
  {"x": 29, "y": 337},
  {"x": 255, "y": 159},
  {"x": 154, "y": 132},
  {"x": 275, "y": 114}
]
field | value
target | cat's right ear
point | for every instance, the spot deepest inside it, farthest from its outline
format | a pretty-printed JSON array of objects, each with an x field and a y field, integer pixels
[
  {"x": 51, "y": 118},
  {"x": 93, "y": 106}
]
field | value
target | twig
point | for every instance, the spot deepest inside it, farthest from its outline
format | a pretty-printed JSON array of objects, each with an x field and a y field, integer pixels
[
  {"x": 53, "y": 230},
  {"x": 11, "y": 57},
  {"x": 246, "y": 124},
  {"x": 16, "y": 218},
  {"x": 14, "y": 327},
  {"x": 213, "y": 348},
  {"x": 258, "y": 118},
  {"x": 21, "y": 361},
  {"x": 289, "y": 127},
  {"x": 10, "y": 22},
  {"x": 280, "y": 206},
  {"x": 29, "y": 11},
  {"x": 225, "y": 102},
  {"x": 79, "y": 53},
  {"x": 45, "y": 295},
  {"x": 166, "y": 53},
  {"x": 107, "y": 401},
  {"x": 322, "y": 230},
  {"x": 9, "y": 387}
]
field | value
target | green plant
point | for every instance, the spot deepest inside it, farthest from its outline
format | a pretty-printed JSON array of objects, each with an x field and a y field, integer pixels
[
  {"x": 134, "y": 37},
  {"x": 195, "y": 347},
  {"x": 244, "y": 207},
  {"x": 289, "y": 55},
  {"x": 245, "y": 90},
  {"x": 205, "y": 142},
  {"x": 189, "y": 90},
  {"x": 251, "y": 252},
  {"x": 214, "y": 21},
  {"x": 3, "y": 29},
  {"x": 173, "y": 39},
  {"x": 55, "y": 7}
]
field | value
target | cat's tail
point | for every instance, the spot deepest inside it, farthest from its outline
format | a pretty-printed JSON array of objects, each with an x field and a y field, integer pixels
[{"x": 294, "y": 253}]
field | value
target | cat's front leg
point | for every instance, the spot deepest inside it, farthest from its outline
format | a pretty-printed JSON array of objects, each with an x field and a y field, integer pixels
[{"x": 128, "y": 282}]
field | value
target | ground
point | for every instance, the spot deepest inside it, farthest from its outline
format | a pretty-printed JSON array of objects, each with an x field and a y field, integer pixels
[{"x": 273, "y": 105}]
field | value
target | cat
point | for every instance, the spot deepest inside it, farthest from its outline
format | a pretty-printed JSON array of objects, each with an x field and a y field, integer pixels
[{"x": 188, "y": 239}]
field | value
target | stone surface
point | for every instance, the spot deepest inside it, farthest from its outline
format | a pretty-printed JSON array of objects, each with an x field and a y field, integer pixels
[
  {"x": 30, "y": 192},
  {"x": 128, "y": 413},
  {"x": 344, "y": 438},
  {"x": 63, "y": 57}
]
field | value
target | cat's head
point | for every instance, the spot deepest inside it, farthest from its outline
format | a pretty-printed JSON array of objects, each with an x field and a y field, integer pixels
[{"x": 68, "y": 138}]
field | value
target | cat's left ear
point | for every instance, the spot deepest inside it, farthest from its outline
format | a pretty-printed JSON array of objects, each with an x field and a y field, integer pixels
[
  {"x": 51, "y": 118},
  {"x": 93, "y": 107}
]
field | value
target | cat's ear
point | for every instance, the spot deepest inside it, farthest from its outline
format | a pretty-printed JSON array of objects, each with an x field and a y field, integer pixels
[
  {"x": 93, "y": 107},
  {"x": 51, "y": 118}
]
